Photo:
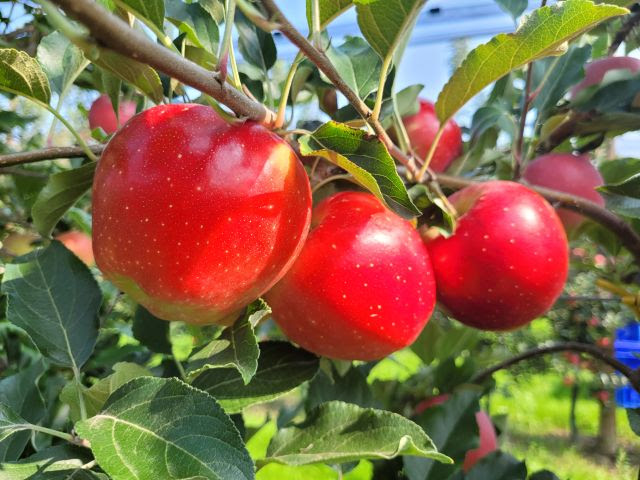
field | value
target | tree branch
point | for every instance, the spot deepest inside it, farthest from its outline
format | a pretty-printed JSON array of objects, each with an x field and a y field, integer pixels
[
  {"x": 324, "y": 64},
  {"x": 11, "y": 159},
  {"x": 632, "y": 375},
  {"x": 632, "y": 21},
  {"x": 625, "y": 232},
  {"x": 112, "y": 32}
]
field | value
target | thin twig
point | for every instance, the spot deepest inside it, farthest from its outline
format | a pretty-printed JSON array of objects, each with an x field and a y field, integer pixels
[
  {"x": 526, "y": 102},
  {"x": 627, "y": 27},
  {"x": 116, "y": 34},
  {"x": 52, "y": 153},
  {"x": 632, "y": 375}
]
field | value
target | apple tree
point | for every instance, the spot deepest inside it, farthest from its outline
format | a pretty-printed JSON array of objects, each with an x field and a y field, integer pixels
[{"x": 227, "y": 266}]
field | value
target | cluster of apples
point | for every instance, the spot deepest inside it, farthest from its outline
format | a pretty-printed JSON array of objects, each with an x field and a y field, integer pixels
[{"x": 195, "y": 218}]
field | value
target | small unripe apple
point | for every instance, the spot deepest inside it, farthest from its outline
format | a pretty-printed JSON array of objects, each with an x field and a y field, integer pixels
[
  {"x": 422, "y": 129},
  {"x": 195, "y": 218},
  {"x": 16, "y": 244},
  {"x": 486, "y": 431},
  {"x": 102, "y": 114},
  {"x": 595, "y": 71},
  {"x": 80, "y": 244},
  {"x": 564, "y": 172},
  {"x": 362, "y": 286},
  {"x": 507, "y": 261}
]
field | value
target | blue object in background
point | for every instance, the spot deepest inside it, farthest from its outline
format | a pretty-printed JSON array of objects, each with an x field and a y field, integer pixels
[{"x": 627, "y": 350}]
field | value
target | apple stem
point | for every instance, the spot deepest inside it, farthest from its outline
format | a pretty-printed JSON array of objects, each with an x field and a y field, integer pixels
[
  {"x": 526, "y": 102},
  {"x": 431, "y": 152},
  {"x": 375, "y": 115},
  {"x": 282, "y": 108}
]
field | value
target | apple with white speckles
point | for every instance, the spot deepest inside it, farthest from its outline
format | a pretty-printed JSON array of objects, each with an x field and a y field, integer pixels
[
  {"x": 362, "y": 286},
  {"x": 102, "y": 114},
  {"x": 422, "y": 129},
  {"x": 195, "y": 218},
  {"x": 507, "y": 261},
  {"x": 564, "y": 172}
]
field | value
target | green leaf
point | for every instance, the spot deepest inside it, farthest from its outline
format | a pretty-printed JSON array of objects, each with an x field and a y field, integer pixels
[
  {"x": 140, "y": 75},
  {"x": 62, "y": 462},
  {"x": 351, "y": 388},
  {"x": 496, "y": 466},
  {"x": 633, "y": 414},
  {"x": 52, "y": 295},
  {"x": 543, "y": 33},
  {"x": 452, "y": 426},
  {"x": 60, "y": 193},
  {"x": 281, "y": 368},
  {"x": 329, "y": 10},
  {"x": 357, "y": 64},
  {"x": 437, "y": 342},
  {"x": 616, "y": 93},
  {"x": 515, "y": 8},
  {"x": 620, "y": 169},
  {"x": 366, "y": 158},
  {"x": 11, "y": 422},
  {"x": 387, "y": 24},
  {"x": 61, "y": 61},
  {"x": 196, "y": 23},
  {"x": 629, "y": 187},
  {"x": 560, "y": 74},
  {"x": 151, "y": 331},
  {"x": 625, "y": 206},
  {"x": 338, "y": 432},
  {"x": 96, "y": 396},
  {"x": 152, "y": 10},
  {"x": 237, "y": 347},
  {"x": 495, "y": 115},
  {"x": 20, "y": 393},
  {"x": 257, "y": 47},
  {"x": 23, "y": 75},
  {"x": 544, "y": 475},
  {"x": 163, "y": 428}
]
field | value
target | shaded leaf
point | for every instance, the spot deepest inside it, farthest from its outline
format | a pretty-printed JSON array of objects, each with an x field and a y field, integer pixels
[
  {"x": 20, "y": 393},
  {"x": 357, "y": 64},
  {"x": 453, "y": 429},
  {"x": 329, "y": 10},
  {"x": 351, "y": 388},
  {"x": 140, "y": 75},
  {"x": 61, "y": 60},
  {"x": 237, "y": 346},
  {"x": 625, "y": 206},
  {"x": 515, "y": 8},
  {"x": 387, "y": 24},
  {"x": 96, "y": 396},
  {"x": 257, "y": 47},
  {"x": 196, "y": 23},
  {"x": 11, "y": 422},
  {"x": 496, "y": 466},
  {"x": 163, "y": 428},
  {"x": 338, "y": 432},
  {"x": 152, "y": 10},
  {"x": 633, "y": 414},
  {"x": 151, "y": 331},
  {"x": 436, "y": 342},
  {"x": 366, "y": 158},
  {"x": 23, "y": 75},
  {"x": 544, "y": 475},
  {"x": 55, "y": 299},
  {"x": 60, "y": 193},
  {"x": 544, "y": 33},
  {"x": 281, "y": 368},
  {"x": 62, "y": 462}
]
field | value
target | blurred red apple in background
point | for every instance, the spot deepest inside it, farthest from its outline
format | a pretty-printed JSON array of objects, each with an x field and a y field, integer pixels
[
  {"x": 422, "y": 129},
  {"x": 102, "y": 114},
  {"x": 80, "y": 244},
  {"x": 595, "y": 71},
  {"x": 570, "y": 174}
]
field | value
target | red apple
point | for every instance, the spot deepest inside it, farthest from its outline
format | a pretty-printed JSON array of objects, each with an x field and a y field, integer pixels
[
  {"x": 102, "y": 114},
  {"x": 507, "y": 261},
  {"x": 595, "y": 71},
  {"x": 80, "y": 244},
  {"x": 362, "y": 286},
  {"x": 486, "y": 431},
  {"x": 570, "y": 174},
  {"x": 422, "y": 129},
  {"x": 195, "y": 218}
]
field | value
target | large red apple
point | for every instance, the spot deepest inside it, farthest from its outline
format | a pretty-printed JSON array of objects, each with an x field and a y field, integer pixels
[
  {"x": 595, "y": 71},
  {"x": 80, "y": 244},
  {"x": 195, "y": 218},
  {"x": 102, "y": 114},
  {"x": 570, "y": 174},
  {"x": 422, "y": 129},
  {"x": 507, "y": 261},
  {"x": 362, "y": 286},
  {"x": 486, "y": 431}
]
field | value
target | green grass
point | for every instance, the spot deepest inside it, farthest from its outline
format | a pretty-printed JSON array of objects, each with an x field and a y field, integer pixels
[{"x": 537, "y": 419}]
